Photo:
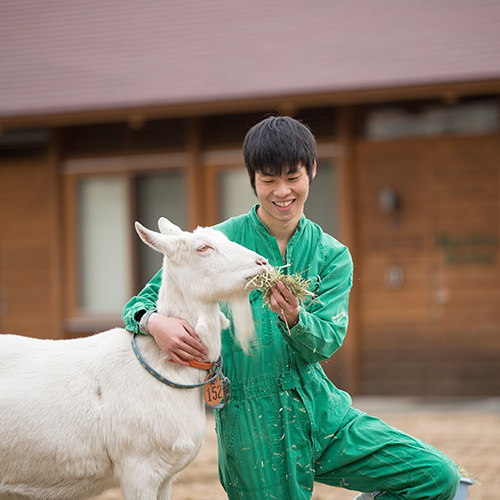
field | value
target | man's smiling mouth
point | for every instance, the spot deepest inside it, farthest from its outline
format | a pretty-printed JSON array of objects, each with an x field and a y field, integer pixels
[{"x": 283, "y": 204}]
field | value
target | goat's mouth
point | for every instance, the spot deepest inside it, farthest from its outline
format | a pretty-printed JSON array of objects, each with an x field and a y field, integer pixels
[
  {"x": 257, "y": 280},
  {"x": 250, "y": 284}
]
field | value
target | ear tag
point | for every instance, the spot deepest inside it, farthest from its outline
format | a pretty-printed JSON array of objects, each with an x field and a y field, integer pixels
[{"x": 217, "y": 392}]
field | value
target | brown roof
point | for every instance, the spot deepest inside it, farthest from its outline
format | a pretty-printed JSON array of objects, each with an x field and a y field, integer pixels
[{"x": 59, "y": 56}]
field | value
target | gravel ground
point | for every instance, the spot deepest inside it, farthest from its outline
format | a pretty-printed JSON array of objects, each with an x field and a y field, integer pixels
[{"x": 468, "y": 430}]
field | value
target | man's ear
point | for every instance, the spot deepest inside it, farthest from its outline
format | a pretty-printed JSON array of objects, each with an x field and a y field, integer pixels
[
  {"x": 313, "y": 173},
  {"x": 250, "y": 180},
  {"x": 248, "y": 173}
]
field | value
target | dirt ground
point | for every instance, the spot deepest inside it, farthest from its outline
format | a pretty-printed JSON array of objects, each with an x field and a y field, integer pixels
[{"x": 466, "y": 430}]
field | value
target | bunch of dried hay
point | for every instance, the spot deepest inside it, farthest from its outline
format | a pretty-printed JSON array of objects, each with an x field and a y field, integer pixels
[
  {"x": 299, "y": 286},
  {"x": 468, "y": 475}
]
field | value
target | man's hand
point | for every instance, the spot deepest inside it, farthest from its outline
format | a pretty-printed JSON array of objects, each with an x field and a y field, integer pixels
[
  {"x": 177, "y": 338},
  {"x": 285, "y": 304}
]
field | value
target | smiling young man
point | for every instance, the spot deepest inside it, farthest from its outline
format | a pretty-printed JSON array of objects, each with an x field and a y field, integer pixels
[
  {"x": 281, "y": 208},
  {"x": 286, "y": 425}
]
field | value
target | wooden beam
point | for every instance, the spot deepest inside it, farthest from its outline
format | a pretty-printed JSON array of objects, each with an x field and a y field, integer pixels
[
  {"x": 195, "y": 178},
  {"x": 346, "y": 135},
  {"x": 195, "y": 108},
  {"x": 57, "y": 236}
]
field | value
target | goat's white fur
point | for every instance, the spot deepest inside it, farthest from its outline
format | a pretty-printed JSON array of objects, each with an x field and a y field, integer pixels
[{"x": 80, "y": 416}]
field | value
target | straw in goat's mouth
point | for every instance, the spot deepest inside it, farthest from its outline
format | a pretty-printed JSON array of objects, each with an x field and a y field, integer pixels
[{"x": 299, "y": 286}]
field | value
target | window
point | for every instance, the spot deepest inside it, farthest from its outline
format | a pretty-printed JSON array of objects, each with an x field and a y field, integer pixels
[
  {"x": 432, "y": 119},
  {"x": 236, "y": 194},
  {"x": 104, "y": 256},
  {"x": 157, "y": 195},
  {"x": 322, "y": 206},
  {"x": 109, "y": 263}
]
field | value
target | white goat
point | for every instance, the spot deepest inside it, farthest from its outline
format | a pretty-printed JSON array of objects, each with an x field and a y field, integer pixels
[{"x": 80, "y": 416}]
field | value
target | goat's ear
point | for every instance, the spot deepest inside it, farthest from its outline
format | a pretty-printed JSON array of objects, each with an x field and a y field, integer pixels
[
  {"x": 157, "y": 241},
  {"x": 168, "y": 228}
]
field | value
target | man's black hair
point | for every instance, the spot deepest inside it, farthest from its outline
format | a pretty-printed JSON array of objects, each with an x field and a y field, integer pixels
[{"x": 278, "y": 145}]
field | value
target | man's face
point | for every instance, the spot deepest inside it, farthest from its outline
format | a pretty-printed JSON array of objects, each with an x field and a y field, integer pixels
[{"x": 282, "y": 198}]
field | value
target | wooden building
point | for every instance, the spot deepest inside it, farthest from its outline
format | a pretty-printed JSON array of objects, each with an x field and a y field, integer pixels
[{"x": 118, "y": 111}]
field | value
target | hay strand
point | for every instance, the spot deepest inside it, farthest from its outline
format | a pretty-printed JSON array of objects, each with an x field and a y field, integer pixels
[{"x": 299, "y": 286}]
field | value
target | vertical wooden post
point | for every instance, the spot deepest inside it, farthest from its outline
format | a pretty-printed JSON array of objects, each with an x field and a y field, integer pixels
[
  {"x": 346, "y": 136},
  {"x": 56, "y": 226},
  {"x": 195, "y": 177}
]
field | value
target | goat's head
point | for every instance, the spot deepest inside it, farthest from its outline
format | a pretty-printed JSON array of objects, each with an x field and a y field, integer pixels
[
  {"x": 206, "y": 267},
  {"x": 211, "y": 267}
]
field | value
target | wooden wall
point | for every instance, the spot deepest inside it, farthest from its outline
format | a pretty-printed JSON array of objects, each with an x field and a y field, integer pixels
[
  {"x": 429, "y": 271},
  {"x": 426, "y": 299},
  {"x": 29, "y": 249}
]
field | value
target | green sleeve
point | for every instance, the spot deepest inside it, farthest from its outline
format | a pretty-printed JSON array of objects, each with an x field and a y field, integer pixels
[
  {"x": 138, "y": 305},
  {"x": 322, "y": 327}
]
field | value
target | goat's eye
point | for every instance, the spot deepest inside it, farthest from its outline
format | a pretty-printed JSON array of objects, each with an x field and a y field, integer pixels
[{"x": 202, "y": 248}]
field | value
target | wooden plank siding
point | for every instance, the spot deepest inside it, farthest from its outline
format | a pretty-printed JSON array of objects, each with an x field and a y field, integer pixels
[
  {"x": 29, "y": 252},
  {"x": 439, "y": 332}
]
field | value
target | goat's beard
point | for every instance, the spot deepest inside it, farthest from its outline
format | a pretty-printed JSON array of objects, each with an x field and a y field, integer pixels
[{"x": 243, "y": 321}]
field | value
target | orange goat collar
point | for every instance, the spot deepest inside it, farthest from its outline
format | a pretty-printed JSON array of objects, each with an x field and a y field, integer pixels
[{"x": 199, "y": 364}]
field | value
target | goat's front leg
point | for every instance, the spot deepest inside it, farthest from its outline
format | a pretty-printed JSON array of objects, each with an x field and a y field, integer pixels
[
  {"x": 141, "y": 491},
  {"x": 140, "y": 482},
  {"x": 164, "y": 493}
]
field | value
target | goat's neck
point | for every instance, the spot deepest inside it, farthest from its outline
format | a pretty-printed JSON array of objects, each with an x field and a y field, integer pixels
[{"x": 204, "y": 317}]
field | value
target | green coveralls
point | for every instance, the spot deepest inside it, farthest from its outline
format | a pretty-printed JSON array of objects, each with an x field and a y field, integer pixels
[{"x": 286, "y": 424}]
